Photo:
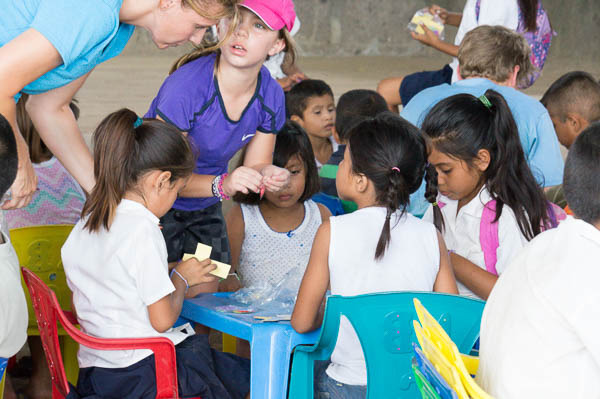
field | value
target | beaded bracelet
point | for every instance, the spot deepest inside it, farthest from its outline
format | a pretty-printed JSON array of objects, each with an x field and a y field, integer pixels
[
  {"x": 187, "y": 286},
  {"x": 222, "y": 194}
]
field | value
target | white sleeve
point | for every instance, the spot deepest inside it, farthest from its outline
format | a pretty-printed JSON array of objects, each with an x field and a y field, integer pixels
[
  {"x": 499, "y": 12},
  {"x": 428, "y": 216},
  {"x": 510, "y": 239}
]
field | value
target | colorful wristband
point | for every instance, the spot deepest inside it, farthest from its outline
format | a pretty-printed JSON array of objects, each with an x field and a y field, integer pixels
[
  {"x": 222, "y": 194},
  {"x": 187, "y": 286}
]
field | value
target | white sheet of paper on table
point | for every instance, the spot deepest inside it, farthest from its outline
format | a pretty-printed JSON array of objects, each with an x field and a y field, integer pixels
[{"x": 203, "y": 252}]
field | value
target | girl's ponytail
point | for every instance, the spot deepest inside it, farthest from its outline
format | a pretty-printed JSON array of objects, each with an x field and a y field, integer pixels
[
  {"x": 125, "y": 148},
  {"x": 431, "y": 194},
  {"x": 390, "y": 152}
]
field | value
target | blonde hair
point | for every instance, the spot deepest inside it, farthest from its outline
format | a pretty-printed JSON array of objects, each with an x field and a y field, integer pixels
[
  {"x": 207, "y": 47},
  {"x": 492, "y": 52}
]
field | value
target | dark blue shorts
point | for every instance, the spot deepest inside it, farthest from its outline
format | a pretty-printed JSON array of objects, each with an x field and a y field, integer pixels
[
  {"x": 201, "y": 371},
  {"x": 183, "y": 230},
  {"x": 414, "y": 83}
]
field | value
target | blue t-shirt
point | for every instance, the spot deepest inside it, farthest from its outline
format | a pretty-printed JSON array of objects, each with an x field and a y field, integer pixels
[
  {"x": 536, "y": 131},
  {"x": 190, "y": 100},
  {"x": 84, "y": 32}
]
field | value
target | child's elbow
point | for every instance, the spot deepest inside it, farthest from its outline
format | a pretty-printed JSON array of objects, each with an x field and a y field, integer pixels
[
  {"x": 301, "y": 327},
  {"x": 161, "y": 326}
]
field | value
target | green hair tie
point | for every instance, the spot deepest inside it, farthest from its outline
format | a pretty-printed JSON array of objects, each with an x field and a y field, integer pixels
[{"x": 485, "y": 101}]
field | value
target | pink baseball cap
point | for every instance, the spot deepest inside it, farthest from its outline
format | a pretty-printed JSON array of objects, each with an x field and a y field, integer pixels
[{"x": 275, "y": 13}]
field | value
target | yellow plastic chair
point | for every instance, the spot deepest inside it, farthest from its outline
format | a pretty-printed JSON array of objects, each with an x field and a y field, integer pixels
[
  {"x": 38, "y": 249},
  {"x": 443, "y": 353}
]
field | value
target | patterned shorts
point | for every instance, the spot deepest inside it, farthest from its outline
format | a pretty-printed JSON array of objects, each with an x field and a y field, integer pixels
[{"x": 183, "y": 230}]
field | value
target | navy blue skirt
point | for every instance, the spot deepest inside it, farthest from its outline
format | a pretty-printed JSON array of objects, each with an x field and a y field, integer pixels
[
  {"x": 201, "y": 371},
  {"x": 414, "y": 83}
]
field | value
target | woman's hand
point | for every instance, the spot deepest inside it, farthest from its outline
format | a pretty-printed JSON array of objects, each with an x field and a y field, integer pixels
[
  {"x": 275, "y": 178},
  {"x": 25, "y": 183},
  {"x": 243, "y": 179},
  {"x": 197, "y": 272}
]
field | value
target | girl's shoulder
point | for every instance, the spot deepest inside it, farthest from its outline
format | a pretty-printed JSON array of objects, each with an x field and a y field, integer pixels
[
  {"x": 196, "y": 75},
  {"x": 270, "y": 91}
]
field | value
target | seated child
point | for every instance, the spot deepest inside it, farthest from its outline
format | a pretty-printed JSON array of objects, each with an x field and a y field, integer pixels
[
  {"x": 484, "y": 197},
  {"x": 310, "y": 104},
  {"x": 115, "y": 260},
  {"x": 543, "y": 311},
  {"x": 13, "y": 308},
  {"x": 352, "y": 107},
  {"x": 573, "y": 102},
  {"x": 384, "y": 162},
  {"x": 272, "y": 235}
]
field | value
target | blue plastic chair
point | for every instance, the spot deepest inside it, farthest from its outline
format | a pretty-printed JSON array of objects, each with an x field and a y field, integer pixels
[{"x": 383, "y": 323}]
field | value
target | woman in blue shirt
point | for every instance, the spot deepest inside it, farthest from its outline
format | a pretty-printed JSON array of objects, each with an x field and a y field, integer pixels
[{"x": 48, "y": 49}]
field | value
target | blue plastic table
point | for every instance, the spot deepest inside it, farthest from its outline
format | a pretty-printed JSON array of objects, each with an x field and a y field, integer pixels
[{"x": 271, "y": 344}]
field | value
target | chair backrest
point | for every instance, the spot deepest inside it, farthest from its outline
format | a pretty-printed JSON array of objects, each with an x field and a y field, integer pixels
[
  {"x": 48, "y": 311},
  {"x": 38, "y": 249},
  {"x": 384, "y": 325}
]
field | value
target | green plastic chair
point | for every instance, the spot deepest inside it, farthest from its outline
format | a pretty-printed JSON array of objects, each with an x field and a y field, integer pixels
[{"x": 384, "y": 325}]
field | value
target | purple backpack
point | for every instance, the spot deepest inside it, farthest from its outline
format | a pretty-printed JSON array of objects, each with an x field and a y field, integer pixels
[
  {"x": 488, "y": 231},
  {"x": 539, "y": 40}
]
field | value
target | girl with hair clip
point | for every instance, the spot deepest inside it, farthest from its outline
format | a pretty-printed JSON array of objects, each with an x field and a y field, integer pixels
[
  {"x": 226, "y": 100},
  {"x": 383, "y": 164},
  {"x": 115, "y": 260},
  {"x": 484, "y": 197}
]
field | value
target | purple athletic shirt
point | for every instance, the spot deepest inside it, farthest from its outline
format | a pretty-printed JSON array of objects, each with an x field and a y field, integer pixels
[{"x": 190, "y": 100}]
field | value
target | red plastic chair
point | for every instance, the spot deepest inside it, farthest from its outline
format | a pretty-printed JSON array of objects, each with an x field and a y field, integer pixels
[{"x": 47, "y": 311}]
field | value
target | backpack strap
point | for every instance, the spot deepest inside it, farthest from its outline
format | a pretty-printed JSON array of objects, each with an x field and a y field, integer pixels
[
  {"x": 488, "y": 236},
  {"x": 477, "y": 10}
]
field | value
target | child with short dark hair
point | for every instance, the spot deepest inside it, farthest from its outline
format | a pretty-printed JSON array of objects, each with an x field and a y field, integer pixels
[
  {"x": 352, "y": 107},
  {"x": 310, "y": 104},
  {"x": 13, "y": 308},
  {"x": 548, "y": 298},
  {"x": 573, "y": 102},
  {"x": 271, "y": 235}
]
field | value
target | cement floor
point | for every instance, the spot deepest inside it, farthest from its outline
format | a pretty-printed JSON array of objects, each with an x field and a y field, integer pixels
[{"x": 133, "y": 81}]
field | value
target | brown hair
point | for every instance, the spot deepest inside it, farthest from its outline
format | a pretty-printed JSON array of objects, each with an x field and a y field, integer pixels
[
  {"x": 123, "y": 153},
  {"x": 38, "y": 151},
  {"x": 492, "y": 52}
]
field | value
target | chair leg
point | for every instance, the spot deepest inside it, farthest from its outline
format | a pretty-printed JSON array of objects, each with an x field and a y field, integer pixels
[{"x": 69, "y": 354}]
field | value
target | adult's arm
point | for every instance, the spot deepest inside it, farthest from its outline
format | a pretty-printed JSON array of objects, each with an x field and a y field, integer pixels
[
  {"x": 23, "y": 60},
  {"x": 57, "y": 126}
]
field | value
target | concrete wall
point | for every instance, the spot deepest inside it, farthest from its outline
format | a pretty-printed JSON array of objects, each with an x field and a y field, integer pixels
[{"x": 378, "y": 27}]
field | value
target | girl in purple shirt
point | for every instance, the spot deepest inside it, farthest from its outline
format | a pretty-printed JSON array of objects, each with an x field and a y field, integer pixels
[{"x": 225, "y": 100}]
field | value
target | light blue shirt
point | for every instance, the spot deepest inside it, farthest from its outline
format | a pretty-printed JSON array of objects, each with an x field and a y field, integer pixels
[
  {"x": 84, "y": 32},
  {"x": 536, "y": 131}
]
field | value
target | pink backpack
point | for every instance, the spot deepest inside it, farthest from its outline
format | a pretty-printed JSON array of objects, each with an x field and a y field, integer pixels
[
  {"x": 539, "y": 40},
  {"x": 488, "y": 231}
]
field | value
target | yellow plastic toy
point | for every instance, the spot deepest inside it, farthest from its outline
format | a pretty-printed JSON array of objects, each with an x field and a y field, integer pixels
[
  {"x": 38, "y": 249},
  {"x": 443, "y": 353}
]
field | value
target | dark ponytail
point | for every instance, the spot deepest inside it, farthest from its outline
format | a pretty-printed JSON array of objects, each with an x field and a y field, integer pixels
[
  {"x": 124, "y": 150},
  {"x": 390, "y": 152},
  {"x": 461, "y": 125},
  {"x": 431, "y": 193},
  {"x": 529, "y": 11}
]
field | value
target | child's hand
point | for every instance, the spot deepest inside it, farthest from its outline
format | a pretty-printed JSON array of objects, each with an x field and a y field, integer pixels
[
  {"x": 439, "y": 11},
  {"x": 275, "y": 178},
  {"x": 196, "y": 272},
  {"x": 230, "y": 284},
  {"x": 428, "y": 38},
  {"x": 242, "y": 179}
]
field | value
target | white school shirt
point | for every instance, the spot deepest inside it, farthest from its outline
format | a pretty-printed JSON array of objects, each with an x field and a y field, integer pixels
[
  {"x": 274, "y": 62},
  {"x": 13, "y": 308},
  {"x": 491, "y": 12},
  {"x": 114, "y": 276},
  {"x": 410, "y": 263},
  {"x": 540, "y": 325},
  {"x": 461, "y": 233}
]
